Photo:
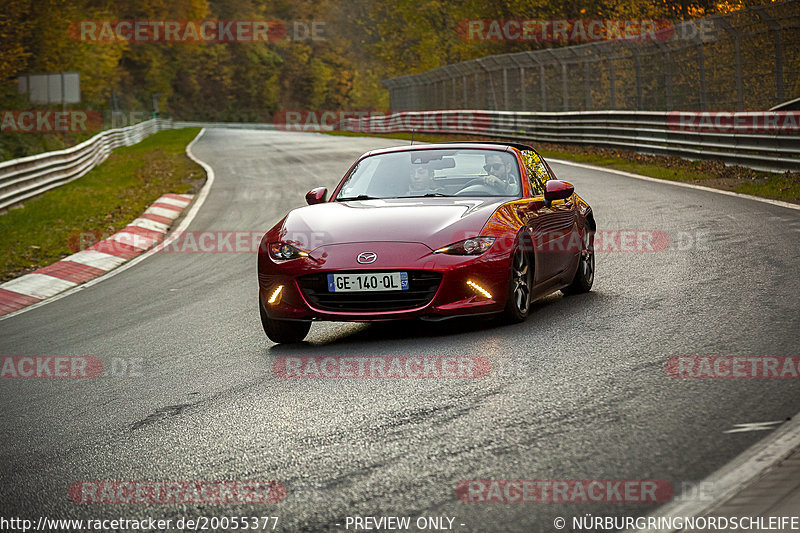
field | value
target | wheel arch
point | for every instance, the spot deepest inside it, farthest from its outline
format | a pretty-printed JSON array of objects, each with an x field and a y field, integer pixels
[{"x": 590, "y": 223}]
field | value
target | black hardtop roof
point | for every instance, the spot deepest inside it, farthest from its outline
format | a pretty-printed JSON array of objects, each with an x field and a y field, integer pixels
[{"x": 491, "y": 145}]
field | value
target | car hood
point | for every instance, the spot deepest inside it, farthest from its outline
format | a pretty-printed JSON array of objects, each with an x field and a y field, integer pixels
[{"x": 435, "y": 222}]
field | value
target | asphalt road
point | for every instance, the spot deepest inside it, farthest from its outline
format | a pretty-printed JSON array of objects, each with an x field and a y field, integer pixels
[{"x": 579, "y": 391}]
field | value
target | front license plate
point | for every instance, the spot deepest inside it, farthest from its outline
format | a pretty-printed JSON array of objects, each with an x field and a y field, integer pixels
[{"x": 376, "y": 281}]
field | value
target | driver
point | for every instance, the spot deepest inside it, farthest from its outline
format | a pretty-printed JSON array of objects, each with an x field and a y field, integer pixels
[
  {"x": 499, "y": 176},
  {"x": 422, "y": 181}
]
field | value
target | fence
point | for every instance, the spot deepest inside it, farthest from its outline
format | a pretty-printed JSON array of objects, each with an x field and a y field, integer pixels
[
  {"x": 745, "y": 60},
  {"x": 27, "y": 177}
]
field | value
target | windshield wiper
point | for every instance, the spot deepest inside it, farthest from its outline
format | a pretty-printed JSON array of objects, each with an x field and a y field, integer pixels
[
  {"x": 359, "y": 197},
  {"x": 428, "y": 195}
]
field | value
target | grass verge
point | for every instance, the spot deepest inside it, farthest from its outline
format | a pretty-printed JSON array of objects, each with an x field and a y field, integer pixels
[
  {"x": 48, "y": 228},
  {"x": 713, "y": 174}
]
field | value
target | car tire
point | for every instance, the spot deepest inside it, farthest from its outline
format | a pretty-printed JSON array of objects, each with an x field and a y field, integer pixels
[
  {"x": 283, "y": 331},
  {"x": 584, "y": 276},
  {"x": 520, "y": 283}
]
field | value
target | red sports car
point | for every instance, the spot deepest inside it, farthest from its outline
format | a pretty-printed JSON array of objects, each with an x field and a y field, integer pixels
[{"x": 430, "y": 231}]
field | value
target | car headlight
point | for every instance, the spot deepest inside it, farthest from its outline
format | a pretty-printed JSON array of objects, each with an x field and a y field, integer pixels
[
  {"x": 283, "y": 251},
  {"x": 473, "y": 246}
]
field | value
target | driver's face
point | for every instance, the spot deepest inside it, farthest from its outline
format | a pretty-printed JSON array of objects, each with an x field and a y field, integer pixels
[
  {"x": 420, "y": 178},
  {"x": 495, "y": 166}
]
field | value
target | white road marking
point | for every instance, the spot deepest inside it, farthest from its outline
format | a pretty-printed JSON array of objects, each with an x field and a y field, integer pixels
[
  {"x": 173, "y": 201},
  {"x": 149, "y": 224},
  {"x": 676, "y": 183},
  {"x": 96, "y": 259},
  {"x": 163, "y": 211},
  {"x": 38, "y": 285},
  {"x": 737, "y": 474},
  {"x": 754, "y": 426}
]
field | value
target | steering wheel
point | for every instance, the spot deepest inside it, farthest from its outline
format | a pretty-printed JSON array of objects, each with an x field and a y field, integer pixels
[{"x": 477, "y": 186}]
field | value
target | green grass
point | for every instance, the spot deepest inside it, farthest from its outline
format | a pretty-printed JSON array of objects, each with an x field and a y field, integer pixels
[
  {"x": 780, "y": 186},
  {"x": 709, "y": 173},
  {"x": 49, "y": 227}
]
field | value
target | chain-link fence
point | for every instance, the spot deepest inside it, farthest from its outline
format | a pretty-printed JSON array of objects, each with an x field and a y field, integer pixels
[{"x": 745, "y": 60}]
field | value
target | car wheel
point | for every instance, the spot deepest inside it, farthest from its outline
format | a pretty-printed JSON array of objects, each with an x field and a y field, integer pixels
[
  {"x": 520, "y": 282},
  {"x": 584, "y": 277},
  {"x": 283, "y": 331}
]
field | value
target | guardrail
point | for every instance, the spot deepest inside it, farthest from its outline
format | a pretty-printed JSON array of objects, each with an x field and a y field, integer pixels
[
  {"x": 760, "y": 140},
  {"x": 24, "y": 178},
  {"x": 226, "y": 125},
  {"x": 725, "y": 137}
]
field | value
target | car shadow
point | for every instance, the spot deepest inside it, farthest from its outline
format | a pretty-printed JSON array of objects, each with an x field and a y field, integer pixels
[{"x": 394, "y": 330}]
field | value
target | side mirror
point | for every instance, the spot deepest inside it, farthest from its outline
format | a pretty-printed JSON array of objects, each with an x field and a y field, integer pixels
[
  {"x": 557, "y": 190},
  {"x": 317, "y": 195}
]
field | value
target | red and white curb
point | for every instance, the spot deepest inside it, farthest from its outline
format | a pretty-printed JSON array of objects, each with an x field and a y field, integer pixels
[{"x": 137, "y": 237}]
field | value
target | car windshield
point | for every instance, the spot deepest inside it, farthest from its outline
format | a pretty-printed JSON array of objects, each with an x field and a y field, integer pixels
[{"x": 431, "y": 173}]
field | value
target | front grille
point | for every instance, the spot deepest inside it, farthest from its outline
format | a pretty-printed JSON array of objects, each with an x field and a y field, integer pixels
[{"x": 422, "y": 286}]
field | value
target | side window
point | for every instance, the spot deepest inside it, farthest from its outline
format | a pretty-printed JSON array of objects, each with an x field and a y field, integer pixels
[{"x": 537, "y": 172}]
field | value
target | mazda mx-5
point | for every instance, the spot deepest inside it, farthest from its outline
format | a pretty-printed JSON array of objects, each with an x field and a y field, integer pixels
[{"x": 429, "y": 231}]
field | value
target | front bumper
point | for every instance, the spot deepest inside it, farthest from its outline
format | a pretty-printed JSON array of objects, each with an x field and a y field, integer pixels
[{"x": 452, "y": 296}]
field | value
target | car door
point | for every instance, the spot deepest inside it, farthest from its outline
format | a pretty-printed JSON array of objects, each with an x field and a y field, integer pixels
[{"x": 551, "y": 227}]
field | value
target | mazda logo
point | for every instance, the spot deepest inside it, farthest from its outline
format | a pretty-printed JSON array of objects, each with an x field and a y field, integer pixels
[{"x": 366, "y": 257}]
